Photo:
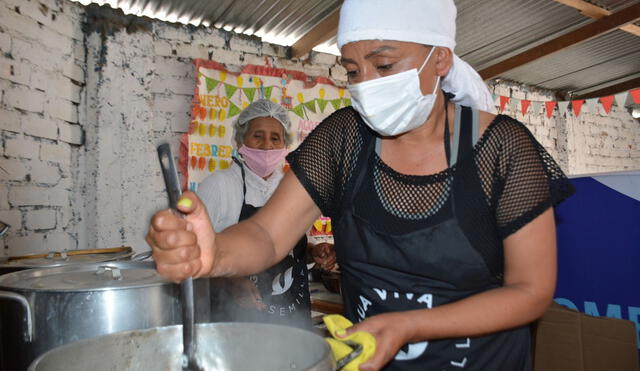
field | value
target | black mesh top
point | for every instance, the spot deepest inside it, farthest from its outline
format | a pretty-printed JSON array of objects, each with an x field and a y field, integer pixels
[{"x": 504, "y": 183}]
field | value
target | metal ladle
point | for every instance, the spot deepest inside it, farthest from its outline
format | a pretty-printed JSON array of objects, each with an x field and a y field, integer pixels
[{"x": 174, "y": 192}]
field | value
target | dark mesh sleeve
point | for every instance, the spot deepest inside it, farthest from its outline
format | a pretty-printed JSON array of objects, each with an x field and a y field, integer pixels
[
  {"x": 531, "y": 180},
  {"x": 324, "y": 160}
]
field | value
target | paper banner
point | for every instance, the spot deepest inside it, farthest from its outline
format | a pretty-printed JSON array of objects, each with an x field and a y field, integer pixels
[
  {"x": 233, "y": 110},
  {"x": 250, "y": 93},
  {"x": 524, "y": 106},
  {"x": 562, "y": 107},
  {"x": 513, "y": 105},
  {"x": 607, "y": 102},
  {"x": 621, "y": 98},
  {"x": 577, "y": 106},
  {"x": 592, "y": 105},
  {"x": 267, "y": 92},
  {"x": 229, "y": 90},
  {"x": 298, "y": 110},
  {"x": 346, "y": 102},
  {"x": 503, "y": 102},
  {"x": 322, "y": 103},
  {"x": 635, "y": 94},
  {"x": 551, "y": 106}
]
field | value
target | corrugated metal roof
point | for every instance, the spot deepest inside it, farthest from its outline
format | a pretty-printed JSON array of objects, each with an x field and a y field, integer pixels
[{"x": 489, "y": 31}]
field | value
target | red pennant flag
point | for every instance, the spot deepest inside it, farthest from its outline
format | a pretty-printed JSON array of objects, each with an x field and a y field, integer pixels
[
  {"x": 577, "y": 106},
  {"x": 524, "y": 105},
  {"x": 503, "y": 102},
  {"x": 635, "y": 94},
  {"x": 607, "y": 102},
  {"x": 550, "y": 107}
]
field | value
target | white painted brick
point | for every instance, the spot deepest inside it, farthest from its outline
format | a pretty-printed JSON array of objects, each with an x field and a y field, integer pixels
[
  {"x": 10, "y": 120},
  {"x": 255, "y": 59},
  {"x": 245, "y": 44},
  {"x": 166, "y": 67},
  {"x": 64, "y": 216},
  {"x": 32, "y": 243},
  {"x": 28, "y": 196},
  {"x": 192, "y": 51},
  {"x": 39, "y": 127},
  {"x": 56, "y": 196},
  {"x": 40, "y": 219},
  {"x": 19, "y": 24},
  {"x": 71, "y": 133},
  {"x": 180, "y": 124},
  {"x": 315, "y": 70},
  {"x": 208, "y": 37},
  {"x": 39, "y": 56},
  {"x": 5, "y": 42},
  {"x": 66, "y": 26},
  {"x": 43, "y": 173},
  {"x": 161, "y": 84},
  {"x": 163, "y": 48},
  {"x": 54, "y": 41},
  {"x": 171, "y": 32},
  {"x": 12, "y": 217},
  {"x": 324, "y": 58},
  {"x": 62, "y": 109},
  {"x": 274, "y": 50},
  {"x": 172, "y": 103},
  {"x": 228, "y": 57},
  {"x": 23, "y": 148},
  {"x": 33, "y": 10},
  {"x": 78, "y": 52},
  {"x": 13, "y": 170},
  {"x": 24, "y": 98},
  {"x": 62, "y": 87},
  {"x": 14, "y": 71},
  {"x": 58, "y": 241},
  {"x": 60, "y": 153},
  {"x": 73, "y": 71},
  {"x": 4, "y": 196}
]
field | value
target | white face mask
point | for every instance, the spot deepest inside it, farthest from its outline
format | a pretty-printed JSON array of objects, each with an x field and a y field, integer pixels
[{"x": 394, "y": 104}]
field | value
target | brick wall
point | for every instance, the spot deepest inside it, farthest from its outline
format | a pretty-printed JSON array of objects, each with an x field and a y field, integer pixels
[
  {"x": 82, "y": 110},
  {"x": 42, "y": 73}
]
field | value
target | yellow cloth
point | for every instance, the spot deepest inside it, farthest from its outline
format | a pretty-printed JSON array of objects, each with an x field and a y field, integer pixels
[{"x": 340, "y": 349}]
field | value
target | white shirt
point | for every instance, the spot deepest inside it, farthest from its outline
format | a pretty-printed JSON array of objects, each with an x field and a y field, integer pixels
[{"x": 221, "y": 192}]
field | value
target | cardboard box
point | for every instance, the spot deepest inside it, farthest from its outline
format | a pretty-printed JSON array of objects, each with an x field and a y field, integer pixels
[{"x": 567, "y": 340}]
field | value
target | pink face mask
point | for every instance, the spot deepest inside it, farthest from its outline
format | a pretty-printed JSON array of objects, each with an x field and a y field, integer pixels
[{"x": 262, "y": 162}]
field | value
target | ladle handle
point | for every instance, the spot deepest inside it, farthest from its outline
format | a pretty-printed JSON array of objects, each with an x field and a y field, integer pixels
[{"x": 172, "y": 182}]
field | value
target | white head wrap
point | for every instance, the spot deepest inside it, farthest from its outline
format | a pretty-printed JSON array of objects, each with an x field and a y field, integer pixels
[{"x": 428, "y": 22}]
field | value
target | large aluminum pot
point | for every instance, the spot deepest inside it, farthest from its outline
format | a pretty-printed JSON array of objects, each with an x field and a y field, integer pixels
[
  {"x": 41, "y": 309},
  {"x": 52, "y": 259},
  {"x": 220, "y": 346}
]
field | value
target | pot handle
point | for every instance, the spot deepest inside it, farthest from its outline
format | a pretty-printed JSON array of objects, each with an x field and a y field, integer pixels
[
  {"x": 141, "y": 256},
  {"x": 28, "y": 334}
]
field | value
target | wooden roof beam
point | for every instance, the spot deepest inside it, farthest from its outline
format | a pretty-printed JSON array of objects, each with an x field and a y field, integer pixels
[
  {"x": 593, "y": 29},
  {"x": 322, "y": 32},
  {"x": 594, "y": 11},
  {"x": 610, "y": 90}
]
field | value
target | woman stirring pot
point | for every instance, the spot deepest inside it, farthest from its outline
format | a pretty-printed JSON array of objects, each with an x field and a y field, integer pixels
[{"x": 442, "y": 211}]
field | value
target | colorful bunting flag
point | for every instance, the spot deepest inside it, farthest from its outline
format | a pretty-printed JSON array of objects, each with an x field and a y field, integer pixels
[
  {"x": 322, "y": 103},
  {"x": 577, "y": 106},
  {"x": 336, "y": 103},
  {"x": 524, "y": 105},
  {"x": 607, "y": 102},
  {"x": 621, "y": 98},
  {"x": 513, "y": 105},
  {"x": 267, "y": 92},
  {"x": 503, "y": 102},
  {"x": 211, "y": 83},
  {"x": 562, "y": 107},
  {"x": 551, "y": 106},
  {"x": 298, "y": 110},
  {"x": 311, "y": 105},
  {"x": 535, "y": 107},
  {"x": 250, "y": 93},
  {"x": 233, "y": 109},
  {"x": 635, "y": 94},
  {"x": 592, "y": 105},
  {"x": 229, "y": 90},
  {"x": 346, "y": 101}
]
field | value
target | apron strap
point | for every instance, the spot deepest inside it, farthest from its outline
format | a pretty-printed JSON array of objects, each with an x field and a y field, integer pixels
[{"x": 244, "y": 185}]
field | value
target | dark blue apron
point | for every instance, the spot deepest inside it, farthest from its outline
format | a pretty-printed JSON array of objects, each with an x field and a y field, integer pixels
[
  {"x": 284, "y": 287},
  {"x": 422, "y": 269}
]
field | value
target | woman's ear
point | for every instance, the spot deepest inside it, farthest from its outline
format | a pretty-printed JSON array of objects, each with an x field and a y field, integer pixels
[{"x": 444, "y": 61}]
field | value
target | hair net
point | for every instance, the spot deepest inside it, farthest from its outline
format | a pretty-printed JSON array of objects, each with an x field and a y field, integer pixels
[
  {"x": 428, "y": 22},
  {"x": 262, "y": 108}
]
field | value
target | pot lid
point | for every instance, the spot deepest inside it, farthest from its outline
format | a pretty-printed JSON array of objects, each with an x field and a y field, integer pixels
[
  {"x": 62, "y": 258},
  {"x": 85, "y": 277}
]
